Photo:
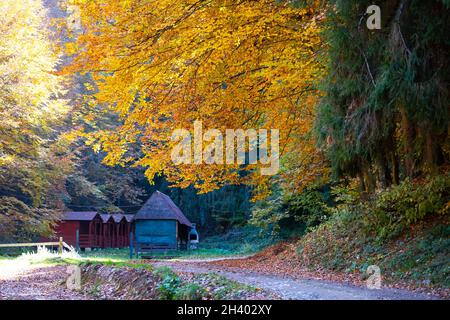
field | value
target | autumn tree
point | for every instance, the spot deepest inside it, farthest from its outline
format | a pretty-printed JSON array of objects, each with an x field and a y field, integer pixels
[
  {"x": 33, "y": 163},
  {"x": 161, "y": 65},
  {"x": 92, "y": 185}
]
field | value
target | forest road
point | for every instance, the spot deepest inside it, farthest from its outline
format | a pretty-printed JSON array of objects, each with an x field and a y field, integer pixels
[
  {"x": 48, "y": 283},
  {"x": 293, "y": 288}
]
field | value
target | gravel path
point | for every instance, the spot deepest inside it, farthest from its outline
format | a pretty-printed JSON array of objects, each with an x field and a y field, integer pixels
[{"x": 290, "y": 288}]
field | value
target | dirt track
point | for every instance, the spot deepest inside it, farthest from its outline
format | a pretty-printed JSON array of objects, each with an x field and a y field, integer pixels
[
  {"x": 48, "y": 283},
  {"x": 297, "y": 289}
]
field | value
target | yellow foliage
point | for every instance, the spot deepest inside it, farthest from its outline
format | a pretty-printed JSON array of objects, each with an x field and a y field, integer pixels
[
  {"x": 33, "y": 162},
  {"x": 30, "y": 89},
  {"x": 162, "y": 64}
]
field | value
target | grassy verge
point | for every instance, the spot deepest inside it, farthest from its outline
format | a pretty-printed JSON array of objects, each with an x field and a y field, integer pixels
[
  {"x": 421, "y": 257},
  {"x": 124, "y": 254},
  {"x": 237, "y": 242},
  {"x": 242, "y": 241}
]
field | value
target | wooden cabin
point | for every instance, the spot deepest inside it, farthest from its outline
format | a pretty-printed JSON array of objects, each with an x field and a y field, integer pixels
[
  {"x": 88, "y": 224},
  {"x": 108, "y": 230},
  {"x": 160, "y": 225},
  {"x": 95, "y": 230},
  {"x": 120, "y": 231}
]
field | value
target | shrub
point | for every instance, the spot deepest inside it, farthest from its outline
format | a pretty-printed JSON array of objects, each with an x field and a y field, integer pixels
[
  {"x": 170, "y": 283},
  {"x": 308, "y": 207},
  {"x": 190, "y": 291},
  {"x": 291, "y": 215},
  {"x": 412, "y": 202}
]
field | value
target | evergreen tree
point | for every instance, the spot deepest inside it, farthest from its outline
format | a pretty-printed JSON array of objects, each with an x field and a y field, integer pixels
[{"x": 384, "y": 114}]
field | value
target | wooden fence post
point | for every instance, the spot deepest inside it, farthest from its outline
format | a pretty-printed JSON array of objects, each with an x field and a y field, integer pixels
[{"x": 60, "y": 246}]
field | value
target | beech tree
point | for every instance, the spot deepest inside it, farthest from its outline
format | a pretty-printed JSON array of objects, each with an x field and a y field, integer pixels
[
  {"x": 161, "y": 65},
  {"x": 33, "y": 163}
]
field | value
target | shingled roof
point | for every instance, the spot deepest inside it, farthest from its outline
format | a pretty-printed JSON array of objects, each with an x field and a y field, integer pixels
[
  {"x": 79, "y": 215},
  {"x": 105, "y": 217},
  {"x": 129, "y": 217},
  {"x": 160, "y": 207},
  {"x": 117, "y": 217}
]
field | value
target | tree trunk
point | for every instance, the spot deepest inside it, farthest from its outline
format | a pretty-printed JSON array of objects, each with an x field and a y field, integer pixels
[
  {"x": 430, "y": 150},
  {"x": 384, "y": 174},
  {"x": 408, "y": 141},
  {"x": 369, "y": 180},
  {"x": 395, "y": 174}
]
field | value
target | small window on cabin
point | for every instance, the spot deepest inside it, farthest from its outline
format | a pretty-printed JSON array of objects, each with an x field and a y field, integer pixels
[{"x": 192, "y": 237}]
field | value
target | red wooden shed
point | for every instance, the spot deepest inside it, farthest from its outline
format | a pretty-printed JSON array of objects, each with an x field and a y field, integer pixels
[
  {"x": 108, "y": 231},
  {"x": 88, "y": 224},
  {"x": 95, "y": 230},
  {"x": 119, "y": 231}
]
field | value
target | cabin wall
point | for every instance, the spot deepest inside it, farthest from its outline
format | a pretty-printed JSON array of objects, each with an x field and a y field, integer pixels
[
  {"x": 84, "y": 227},
  {"x": 156, "y": 232},
  {"x": 67, "y": 230}
]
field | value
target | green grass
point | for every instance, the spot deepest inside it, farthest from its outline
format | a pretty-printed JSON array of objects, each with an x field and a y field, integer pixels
[
  {"x": 103, "y": 255},
  {"x": 116, "y": 257},
  {"x": 237, "y": 242},
  {"x": 241, "y": 241}
]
